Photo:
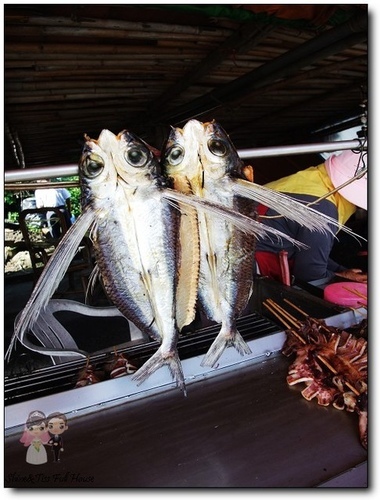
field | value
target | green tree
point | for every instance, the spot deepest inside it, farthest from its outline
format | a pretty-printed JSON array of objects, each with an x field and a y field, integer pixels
[{"x": 75, "y": 193}]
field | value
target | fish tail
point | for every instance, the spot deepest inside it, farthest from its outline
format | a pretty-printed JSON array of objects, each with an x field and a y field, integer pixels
[
  {"x": 160, "y": 359},
  {"x": 226, "y": 338}
]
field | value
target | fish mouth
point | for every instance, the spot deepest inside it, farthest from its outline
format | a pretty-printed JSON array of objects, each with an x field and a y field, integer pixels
[{"x": 123, "y": 183}]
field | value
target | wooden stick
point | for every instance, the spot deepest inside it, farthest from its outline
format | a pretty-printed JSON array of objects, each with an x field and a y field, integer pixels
[
  {"x": 330, "y": 367},
  {"x": 355, "y": 292},
  {"x": 275, "y": 309},
  {"x": 307, "y": 316},
  {"x": 326, "y": 363},
  {"x": 287, "y": 325},
  {"x": 296, "y": 307},
  {"x": 357, "y": 310},
  {"x": 284, "y": 312}
]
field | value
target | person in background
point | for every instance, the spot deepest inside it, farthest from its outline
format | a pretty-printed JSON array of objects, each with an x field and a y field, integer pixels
[
  {"x": 54, "y": 197},
  {"x": 309, "y": 185}
]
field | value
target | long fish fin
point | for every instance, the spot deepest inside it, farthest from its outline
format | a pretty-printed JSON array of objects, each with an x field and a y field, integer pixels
[
  {"x": 226, "y": 337},
  {"x": 94, "y": 277},
  {"x": 288, "y": 207},
  {"x": 242, "y": 222},
  {"x": 51, "y": 276},
  {"x": 189, "y": 259},
  {"x": 158, "y": 360}
]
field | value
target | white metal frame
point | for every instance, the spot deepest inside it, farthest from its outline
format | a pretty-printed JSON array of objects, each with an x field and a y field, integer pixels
[{"x": 30, "y": 174}]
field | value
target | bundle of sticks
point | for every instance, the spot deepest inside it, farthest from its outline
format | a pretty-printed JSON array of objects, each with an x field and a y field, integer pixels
[{"x": 331, "y": 362}]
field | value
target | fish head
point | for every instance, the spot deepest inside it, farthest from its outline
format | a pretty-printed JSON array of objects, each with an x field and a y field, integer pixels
[
  {"x": 217, "y": 153},
  {"x": 135, "y": 161},
  {"x": 180, "y": 157},
  {"x": 97, "y": 173}
]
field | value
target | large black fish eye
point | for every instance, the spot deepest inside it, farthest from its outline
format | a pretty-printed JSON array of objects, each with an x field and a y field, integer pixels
[
  {"x": 93, "y": 165},
  {"x": 217, "y": 147},
  {"x": 175, "y": 155},
  {"x": 137, "y": 157}
]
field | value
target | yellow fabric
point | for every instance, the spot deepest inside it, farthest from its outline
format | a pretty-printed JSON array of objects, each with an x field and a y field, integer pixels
[{"x": 314, "y": 181}]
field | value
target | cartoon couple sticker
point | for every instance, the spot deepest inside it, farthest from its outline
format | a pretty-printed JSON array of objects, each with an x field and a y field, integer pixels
[{"x": 41, "y": 430}]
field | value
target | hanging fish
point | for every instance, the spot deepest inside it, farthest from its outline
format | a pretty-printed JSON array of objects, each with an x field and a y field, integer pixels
[
  {"x": 133, "y": 216},
  {"x": 201, "y": 160},
  {"x": 134, "y": 235},
  {"x": 135, "y": 240}
]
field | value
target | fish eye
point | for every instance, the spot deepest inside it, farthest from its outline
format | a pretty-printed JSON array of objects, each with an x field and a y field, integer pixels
[
  {"x": 217, "y": 147},
  {"x": 93, "y": 165},
  {"x": 137, "y": 157},
  {"x": 175, "y": 155}
]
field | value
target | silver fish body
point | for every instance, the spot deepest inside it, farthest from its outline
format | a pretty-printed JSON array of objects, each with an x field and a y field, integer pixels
[
  {"x": 135, "y": 240},
  {"x": 208, "y": 162},
  {"x": 203, "y": 161}
]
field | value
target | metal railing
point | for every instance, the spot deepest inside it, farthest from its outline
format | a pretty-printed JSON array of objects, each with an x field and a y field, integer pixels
[{"x": 35, "y": 173}]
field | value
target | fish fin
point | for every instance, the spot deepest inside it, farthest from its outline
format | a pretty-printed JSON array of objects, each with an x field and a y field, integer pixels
[
  {"x": 242, "y": 222},
  {"x": 94, "y": 277},
  {"x": 51, "y": 276},
  {"x": 225, "y": 338},
  {"x": 188, "y": 272},
  {"x": 286, "y": 206},
  {"x": 283, "y": 204},
  {"x": 157, "y": 361}
]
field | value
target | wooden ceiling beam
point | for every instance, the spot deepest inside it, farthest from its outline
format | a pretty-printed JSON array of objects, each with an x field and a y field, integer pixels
[
  {"x": 328, "y": 43},
  {"x": 241, "y": 41}
]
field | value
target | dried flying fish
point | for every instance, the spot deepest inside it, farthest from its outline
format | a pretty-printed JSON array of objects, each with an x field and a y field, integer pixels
[{"x": 201, "y": 159}]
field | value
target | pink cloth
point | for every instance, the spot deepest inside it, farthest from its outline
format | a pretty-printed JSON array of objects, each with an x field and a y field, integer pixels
[{"x": 340, "y": 169}]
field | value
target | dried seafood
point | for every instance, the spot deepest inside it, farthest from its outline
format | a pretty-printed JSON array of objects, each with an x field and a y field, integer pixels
[
  {"x": 333, "y": 365},
  {"x": 120, "y": 366},
  {"x": 88, "y": 376}
]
